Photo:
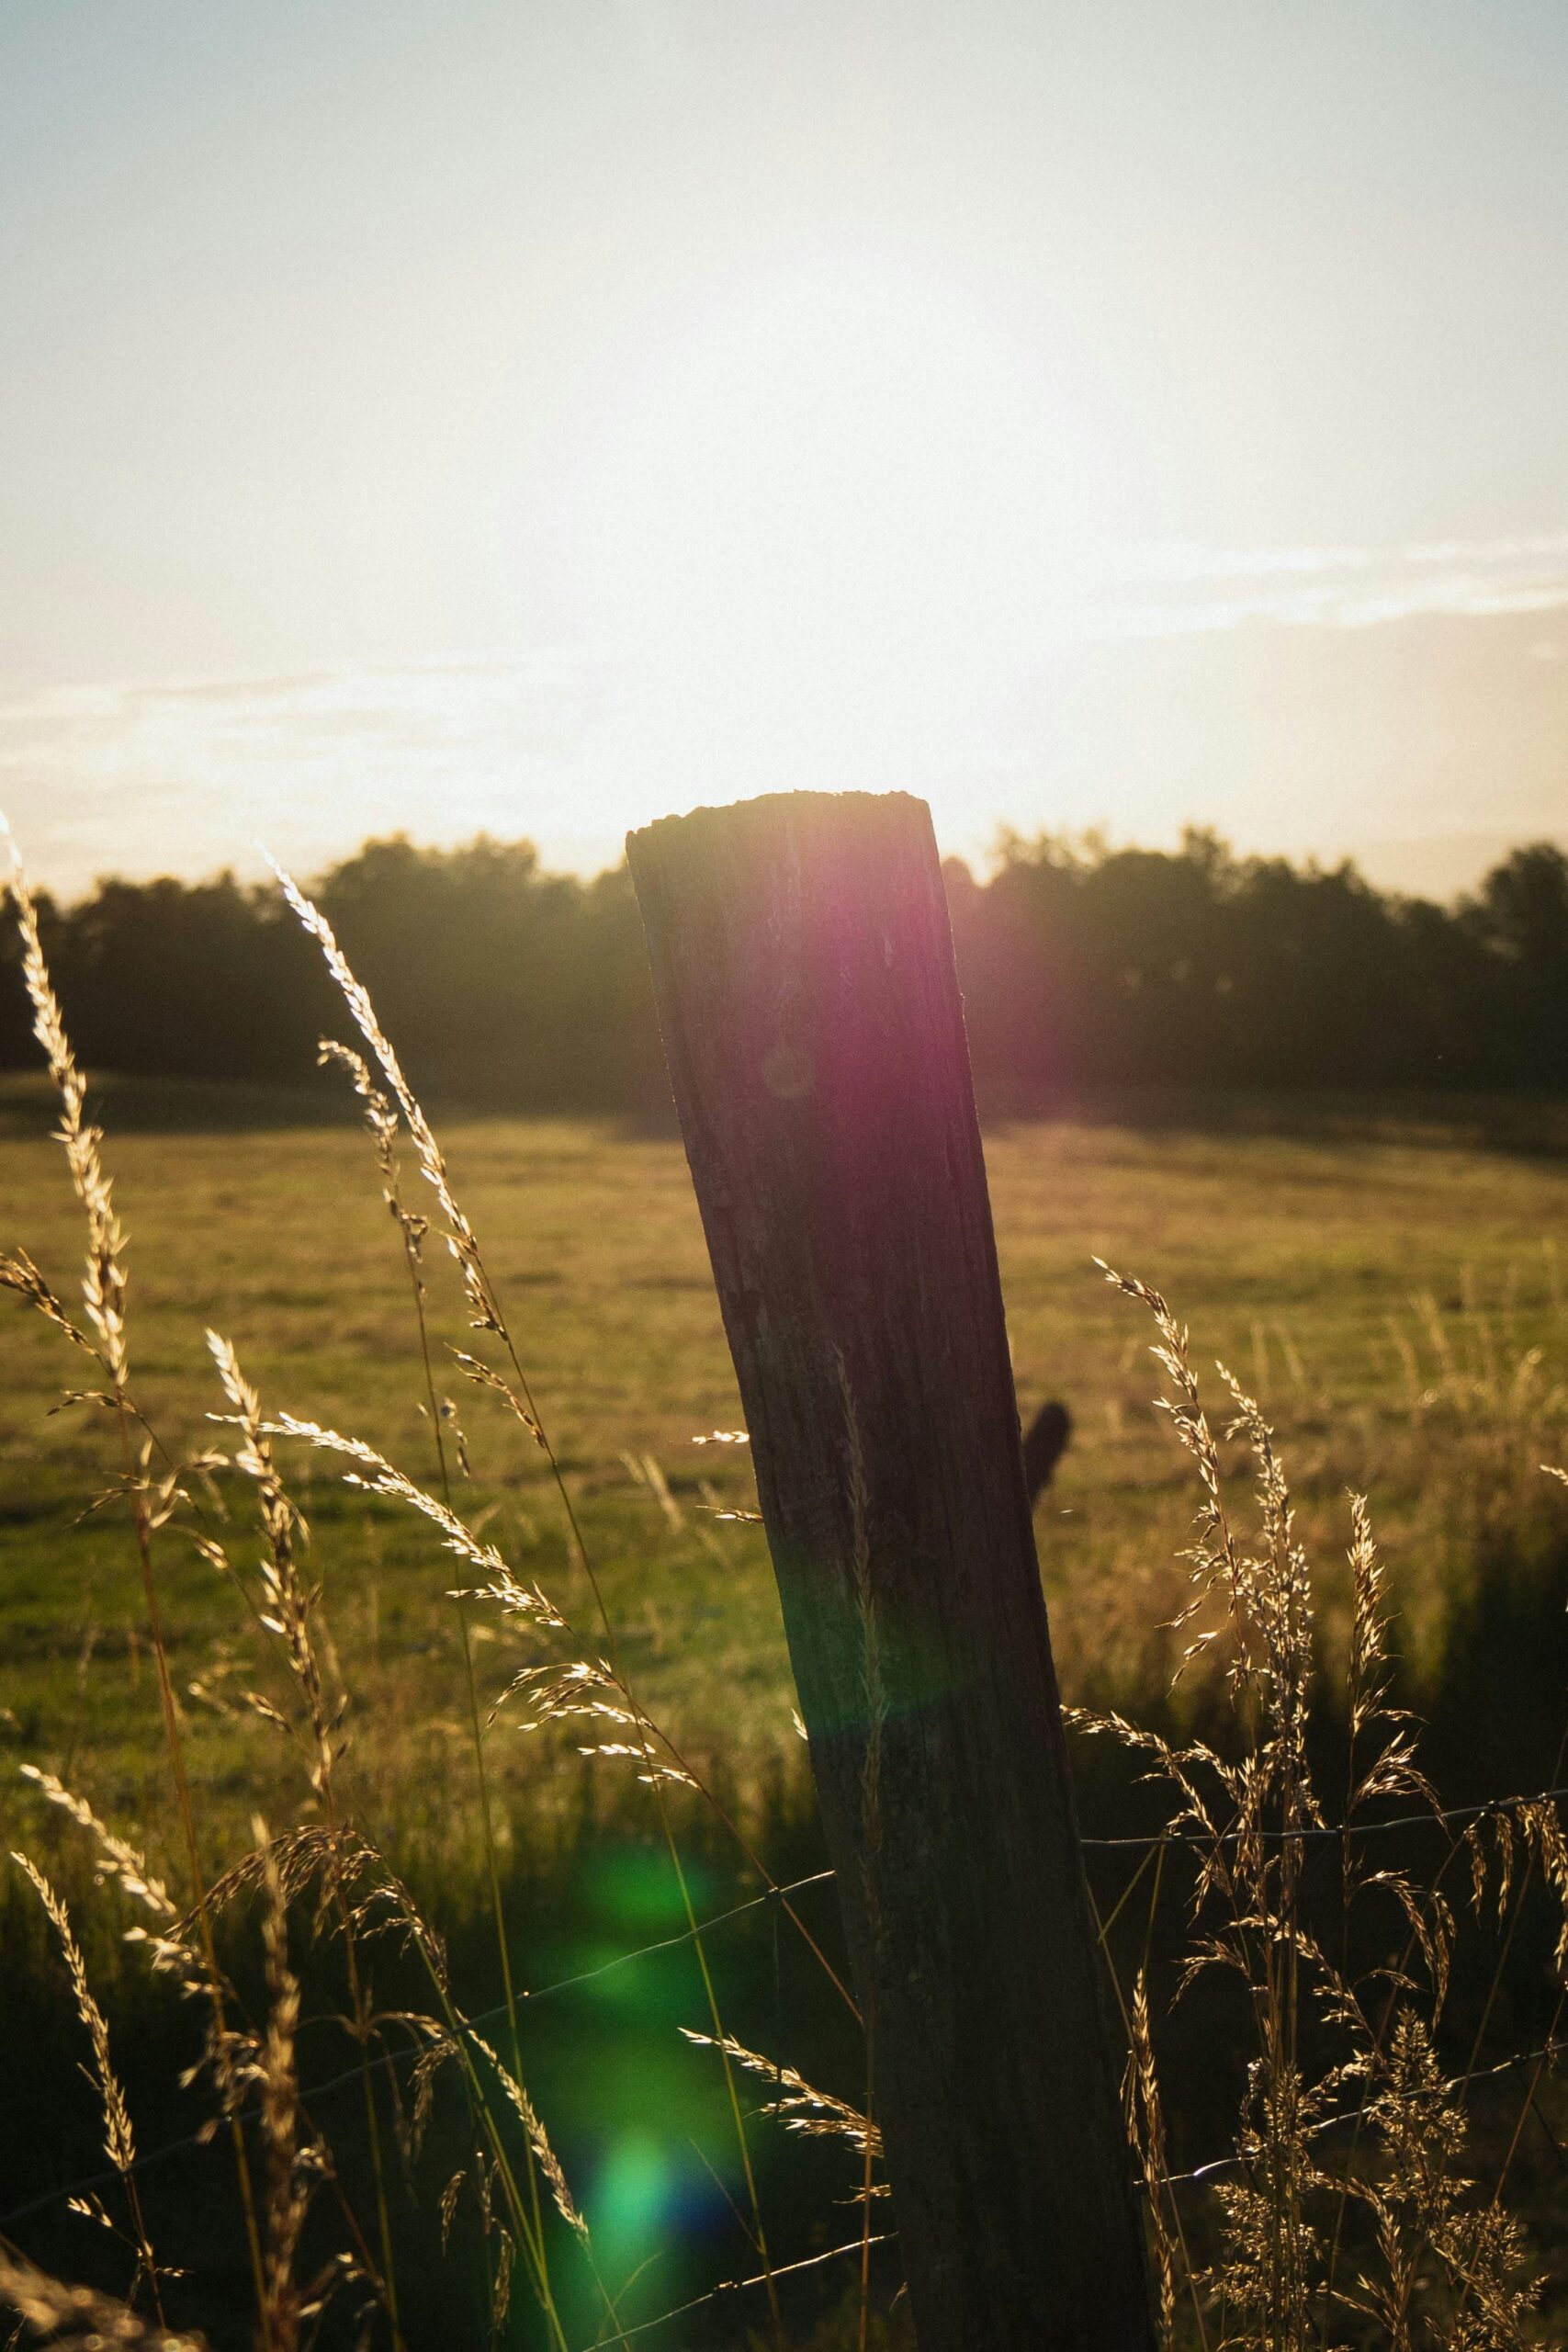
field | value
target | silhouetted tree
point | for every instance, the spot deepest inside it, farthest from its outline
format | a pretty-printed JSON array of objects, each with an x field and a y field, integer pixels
[{"x": 1082, "y": 967}]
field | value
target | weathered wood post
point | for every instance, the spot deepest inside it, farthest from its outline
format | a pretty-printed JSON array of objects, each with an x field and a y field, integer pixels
[{"x": 802, "y": 966}]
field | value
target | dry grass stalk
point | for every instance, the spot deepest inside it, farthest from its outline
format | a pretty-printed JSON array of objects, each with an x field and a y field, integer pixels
[
  {"x": 461, "y": 1241},
  {"x": 79, "y": 2319},
  {"x": 543, "y": 2155},
  {"x": 173, "y": 1944},
  {"x": 350, "y": 1881},
  {"x": 592, "y": 1688},
  {"x": 103, "y": 1281},
  {"x": 18, "y": 1272},
  {"x": 287, "y": 2192},
  {"x": 288, "y": 1602},
  {"x": 103, "y": 1293},
  {"x": 288, "y": 1605},
  {"x": 117, "y": 1860},
  {"x": 358, "y": 1890},
  {"x": 119, "y": 2141},
  {"x": 1425, "y": 2224},
  {"x": 377, "y": 1476},
  {"x": 586, "y": 1687},
  {"x": 1323, "y": 2051},
  {"x": 803, "y": 2108},
  {"x": 241, "y": 2064},
  {"x": 1145, "y": 2129},
  {"x": 652, "y": 1749},
  {"x": 382, "y": 1119}
]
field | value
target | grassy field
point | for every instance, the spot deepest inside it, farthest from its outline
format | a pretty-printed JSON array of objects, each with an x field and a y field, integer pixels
[
  {"x": 1394, "y": 1297},
  {"x": 1397, "y": 1304}
]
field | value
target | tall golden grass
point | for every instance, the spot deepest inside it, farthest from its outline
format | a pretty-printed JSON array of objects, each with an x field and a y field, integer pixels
[
  {"x": 1390, "y": 2238},
  {"x": 1352, "y": 2207}
]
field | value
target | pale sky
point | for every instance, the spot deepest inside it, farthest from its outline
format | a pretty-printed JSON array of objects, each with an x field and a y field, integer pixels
[{"x": 538, "y": 416}]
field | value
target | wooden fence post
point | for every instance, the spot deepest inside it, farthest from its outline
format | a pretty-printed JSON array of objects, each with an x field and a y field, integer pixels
[{"x": 802, "y": 968}]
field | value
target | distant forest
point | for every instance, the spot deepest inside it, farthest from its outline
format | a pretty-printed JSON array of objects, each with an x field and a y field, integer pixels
[{"x": 1083, "y": 967}]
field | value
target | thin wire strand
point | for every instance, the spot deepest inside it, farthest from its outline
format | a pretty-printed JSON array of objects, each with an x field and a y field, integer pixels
[
  {"x": 739, "y": 2285},
  {"x": 1352, "y": 2114},
  {"x": 392, "y": 2058},
  {"x": 1319, "y": 1832},
  {"x": 885, "y": 2237}
]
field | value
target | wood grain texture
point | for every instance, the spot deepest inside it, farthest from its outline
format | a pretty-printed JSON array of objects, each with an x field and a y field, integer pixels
[{"x": 802, "y": 968}]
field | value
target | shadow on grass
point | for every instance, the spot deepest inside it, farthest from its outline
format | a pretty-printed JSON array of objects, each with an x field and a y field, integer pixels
[
  {"x": 30, "y": 1106},
  {"x": 1532, "y": 1126}
]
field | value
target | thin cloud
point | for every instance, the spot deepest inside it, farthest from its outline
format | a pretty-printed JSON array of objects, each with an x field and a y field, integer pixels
[
  {"x": 1161, "y": 591},
  {"x": 185, "y": 772},
  {"x": 1186, "y": 676}
]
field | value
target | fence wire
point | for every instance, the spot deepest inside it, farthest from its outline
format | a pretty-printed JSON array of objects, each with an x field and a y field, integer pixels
[
  {"x": 1146, "y": 1843},
  {"x": 1173, "y": 2180},
  {"x": 388, "y": 2061}
]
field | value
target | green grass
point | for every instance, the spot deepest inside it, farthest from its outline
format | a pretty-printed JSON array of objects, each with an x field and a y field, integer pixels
[
  {"x": 1332, "y": 1274},
  {"x": 1394, "y": 1297}
]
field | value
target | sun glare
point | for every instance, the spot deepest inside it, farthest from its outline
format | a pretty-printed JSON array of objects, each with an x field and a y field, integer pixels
[{"x": 849, "y": 443}]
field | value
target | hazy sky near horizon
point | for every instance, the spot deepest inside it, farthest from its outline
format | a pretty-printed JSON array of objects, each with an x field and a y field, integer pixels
[{"x": 437, "y": 414}]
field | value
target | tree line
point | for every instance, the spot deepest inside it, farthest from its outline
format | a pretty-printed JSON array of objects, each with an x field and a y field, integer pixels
[{"x": 1083, "y": 967}]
